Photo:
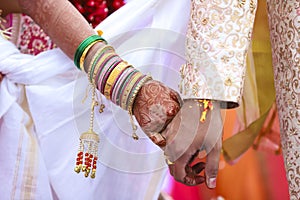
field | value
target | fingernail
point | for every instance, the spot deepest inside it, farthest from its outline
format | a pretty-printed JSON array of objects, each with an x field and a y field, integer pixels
[{"x": 212, "y": 182}]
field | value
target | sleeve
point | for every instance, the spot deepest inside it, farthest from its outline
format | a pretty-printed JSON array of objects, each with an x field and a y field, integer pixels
[{"x": 218, "y": 36}]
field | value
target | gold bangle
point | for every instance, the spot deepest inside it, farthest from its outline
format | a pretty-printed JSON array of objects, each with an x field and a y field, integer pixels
[
  {"x": 128, "y": 89},
  {"x": 136, "y": 90},
  {"x": 113, "y": 76},
  {"x": 82, "y": 58},
  {"x": 93, "y": 60},
  {"x": 99, "y": 52},
  {"x": 99, "y": 63}
]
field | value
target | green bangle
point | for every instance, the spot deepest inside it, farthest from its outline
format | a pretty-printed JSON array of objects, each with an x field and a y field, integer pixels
[{"x": 83, "y": 45}]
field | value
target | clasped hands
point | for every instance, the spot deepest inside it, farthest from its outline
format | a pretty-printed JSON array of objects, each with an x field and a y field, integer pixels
[{"x": 175, "y": 126}]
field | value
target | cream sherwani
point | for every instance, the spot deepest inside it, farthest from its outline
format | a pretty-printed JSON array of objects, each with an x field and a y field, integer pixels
[{"x": 219, "y": 34}]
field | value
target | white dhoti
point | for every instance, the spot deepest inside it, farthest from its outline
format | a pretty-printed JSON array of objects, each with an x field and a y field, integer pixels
[{"x": 42, "y": 114}]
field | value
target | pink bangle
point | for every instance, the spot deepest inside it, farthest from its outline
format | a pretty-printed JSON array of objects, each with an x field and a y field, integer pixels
[
  {"x": 106, "y": 75},
  {"x": 131, "y": 90},
  {"x": 124, "y": 84},
  {"x": 114, "y": 84},
  {"x": 103, "y": 71},
  {"x": 127, "y": 88},
  {"x": 108, "y": 62},
  {"x": 118, "y": 85}
]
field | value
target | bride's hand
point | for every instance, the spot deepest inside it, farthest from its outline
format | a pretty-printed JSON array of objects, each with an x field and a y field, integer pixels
[{"x": 154, "y": 107}]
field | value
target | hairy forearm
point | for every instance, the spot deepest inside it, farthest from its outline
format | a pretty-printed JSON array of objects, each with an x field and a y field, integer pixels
[{"x": 60, "y": 20}]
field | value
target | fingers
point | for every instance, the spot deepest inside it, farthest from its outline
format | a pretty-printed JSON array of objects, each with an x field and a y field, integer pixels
[
  {"x": 192, "y": 181},
  {"x": 212, "y": 164},
  {"x": 184, "y": 136},
  {"x": 197, "y": 168},
  {"x": 177, "y": 169},
  {"x": 186, "y": 174}
]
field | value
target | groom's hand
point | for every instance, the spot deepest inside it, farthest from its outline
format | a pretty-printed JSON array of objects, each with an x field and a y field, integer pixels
[{"x": 186, "y": 136}]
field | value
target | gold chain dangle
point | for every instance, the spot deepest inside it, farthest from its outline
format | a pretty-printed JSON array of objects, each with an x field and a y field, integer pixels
[{"x": 87, "y": 155}]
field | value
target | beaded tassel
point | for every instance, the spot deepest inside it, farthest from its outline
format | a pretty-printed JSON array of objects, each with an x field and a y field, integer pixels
[
  {"x": 207, "y": 105},
  {"x": 88, "y": 147}
]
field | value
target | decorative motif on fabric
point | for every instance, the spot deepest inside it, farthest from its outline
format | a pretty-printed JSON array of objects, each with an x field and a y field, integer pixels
[
  {"x": 285, "y": 35},
  {"x": 28, "y": 36},
  {"x": 215, "y": 67}
]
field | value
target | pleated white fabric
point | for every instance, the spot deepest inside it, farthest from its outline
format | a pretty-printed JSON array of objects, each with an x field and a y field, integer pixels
[{"x": 42, "y": 114}]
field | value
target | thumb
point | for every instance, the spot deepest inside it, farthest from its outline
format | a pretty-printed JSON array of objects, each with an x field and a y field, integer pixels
[{"x": 212, "y": 165}]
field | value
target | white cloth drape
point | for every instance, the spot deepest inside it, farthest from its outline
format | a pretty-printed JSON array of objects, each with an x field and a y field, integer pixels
[{"x": 42, "y": 114}]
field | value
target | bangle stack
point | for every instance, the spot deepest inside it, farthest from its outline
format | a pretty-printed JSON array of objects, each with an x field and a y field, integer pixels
[
  {"x": 117, "y": 80},
  {"x": 83, "y": 49}
]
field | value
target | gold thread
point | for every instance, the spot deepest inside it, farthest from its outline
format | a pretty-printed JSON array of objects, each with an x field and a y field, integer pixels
[
  {"x": 29, "y": 183},
  {"x": 207, "y": 105},
  {"x": 18, "y": 161}
]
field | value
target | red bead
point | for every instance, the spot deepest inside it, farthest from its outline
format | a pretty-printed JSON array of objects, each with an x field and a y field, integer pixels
[
  {"x": 79, "y": 7},
  {"x": 91, "y": 3},
  {"x": 118, "y": 4}
]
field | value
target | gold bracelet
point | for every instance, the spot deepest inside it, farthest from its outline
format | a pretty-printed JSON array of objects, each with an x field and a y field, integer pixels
[
  {"x": 82, "y": 58},
  {"x": 99, "y": 52},
  {"x": 136, "y": 90},
  {"x": 113, "y": 76},
  {"x": 128, "y": 89},
  {"x": 93, "y": 61},
  {"x": 99, "y": 63}
]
